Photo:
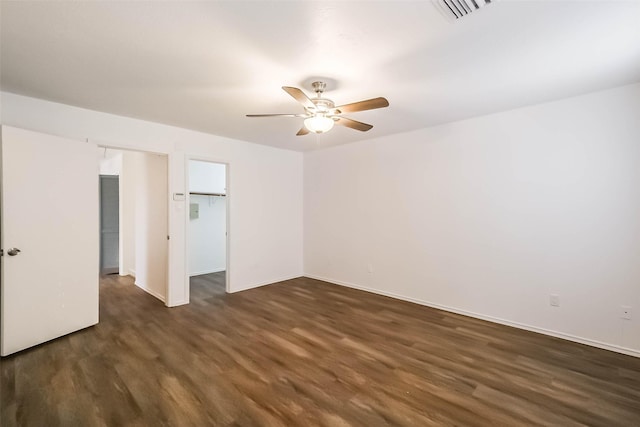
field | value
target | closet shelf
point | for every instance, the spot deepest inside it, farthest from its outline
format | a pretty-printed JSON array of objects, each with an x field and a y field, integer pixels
[{"x": 197, "y": 193}]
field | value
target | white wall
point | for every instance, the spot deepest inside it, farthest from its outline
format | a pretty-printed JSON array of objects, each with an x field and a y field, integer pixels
[
  {"x": 265, "y": 186},
  {"x": 207, "y": 242},
  {"x": 490, "y": 216},
  {"x": 109, "y": 161},
  {"x": 150, "y": 222},
  {"x": 207, "y": 177},
  {"x": 207, "y": 233},
  {"x": 143, "y": 218}
]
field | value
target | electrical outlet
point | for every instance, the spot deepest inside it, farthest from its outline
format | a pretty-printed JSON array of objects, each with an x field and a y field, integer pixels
[
  {"x": 369, "y": 268},
  {"x": 625, "y": 312},
  {"x": 554, "y": 300}
]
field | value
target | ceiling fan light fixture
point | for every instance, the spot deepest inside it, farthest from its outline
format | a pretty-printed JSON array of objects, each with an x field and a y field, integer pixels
[
  {"x": 319, "y": 123},
  {"x": 321, "y": 114}
]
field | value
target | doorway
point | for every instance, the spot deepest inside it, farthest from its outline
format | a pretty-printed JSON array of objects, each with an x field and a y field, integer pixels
[
  {"x": 142, "y": 216},
  {"x": 207, "y": 229}
]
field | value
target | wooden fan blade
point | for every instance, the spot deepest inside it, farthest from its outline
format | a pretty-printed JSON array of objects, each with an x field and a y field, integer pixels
[
  {"x": 353, "y": 124},
  {"x": 303, "y": 131},
  {"x": 369, "y": 104},
  {"x": 276, "y": 115},
  {"x": 299, "y": 96}
]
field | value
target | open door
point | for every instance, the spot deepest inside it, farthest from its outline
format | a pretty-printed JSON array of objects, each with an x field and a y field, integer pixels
[
  {"x": 49, "y": 238},
  {"x": 109, "y": 224}
]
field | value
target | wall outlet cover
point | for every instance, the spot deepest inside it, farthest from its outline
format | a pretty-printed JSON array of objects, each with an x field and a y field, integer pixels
[{"x": 554, "y": 300}]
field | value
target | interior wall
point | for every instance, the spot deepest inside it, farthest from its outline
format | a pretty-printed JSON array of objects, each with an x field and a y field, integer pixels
[
  {"x": 150, "y": 222},
  {"x": 207, "y": 242},
  {"x": 491, "y": 216},
  {"x": 109, "y": 161},
  {"x": 207, "y": 177},
  {"x": 143, "y": 216},
  {"x": 207, "y": 233},
  {"x": 265, "y": 234}
]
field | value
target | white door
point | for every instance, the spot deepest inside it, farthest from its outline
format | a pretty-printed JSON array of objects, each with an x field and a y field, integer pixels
[{"x": 50, "y": 214}]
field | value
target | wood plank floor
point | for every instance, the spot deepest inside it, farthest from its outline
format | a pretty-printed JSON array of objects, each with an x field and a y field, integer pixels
[{"x": 308, "y": 353}]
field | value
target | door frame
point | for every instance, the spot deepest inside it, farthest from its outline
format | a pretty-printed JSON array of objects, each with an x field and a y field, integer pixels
[{"x": 227, "y": 164}]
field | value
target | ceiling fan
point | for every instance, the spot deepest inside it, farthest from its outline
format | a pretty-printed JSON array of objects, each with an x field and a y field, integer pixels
[{"x": 321, "y": 113}]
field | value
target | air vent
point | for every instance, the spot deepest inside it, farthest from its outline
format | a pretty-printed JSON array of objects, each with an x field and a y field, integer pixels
[{"x": 456, "y": 9}]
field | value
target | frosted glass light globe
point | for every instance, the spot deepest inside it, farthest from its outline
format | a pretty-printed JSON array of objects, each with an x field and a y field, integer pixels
[{"x": 319, "y": 124}]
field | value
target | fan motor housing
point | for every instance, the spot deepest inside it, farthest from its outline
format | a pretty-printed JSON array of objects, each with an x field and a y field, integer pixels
[{"x": 323, "y": 105}]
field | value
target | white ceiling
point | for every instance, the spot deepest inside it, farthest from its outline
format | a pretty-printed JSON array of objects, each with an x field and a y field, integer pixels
[{"x": 204, "y": 65}]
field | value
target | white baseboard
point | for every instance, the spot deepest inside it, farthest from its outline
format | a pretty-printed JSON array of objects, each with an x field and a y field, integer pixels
[
  {"x": 149, "y": 291},
  {"x": 215, "y": 270},
  {"x": 176, "y": 304},
  {"x": 269, "y": 282},
  {"x": 556, "y": 334}
]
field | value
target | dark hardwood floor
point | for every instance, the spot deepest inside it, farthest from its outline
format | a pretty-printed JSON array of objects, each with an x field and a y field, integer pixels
[{"x": 308, "y": 353}]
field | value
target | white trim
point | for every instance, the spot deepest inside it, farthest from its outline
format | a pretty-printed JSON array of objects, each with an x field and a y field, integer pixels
[
  {"x": 556, "y": 334},
  {"x": 178, "y": 303},
  {"x": 199, "y": 273},
  {"x": 270, "y": 282},
  {"x": 150, "y": 292}
]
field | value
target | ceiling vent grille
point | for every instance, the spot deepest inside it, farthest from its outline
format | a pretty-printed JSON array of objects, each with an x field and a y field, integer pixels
[{"x": 456, "y": 9}]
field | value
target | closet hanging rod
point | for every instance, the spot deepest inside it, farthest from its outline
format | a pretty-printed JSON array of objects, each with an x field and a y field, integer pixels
[{"x": 197, "y": 193}]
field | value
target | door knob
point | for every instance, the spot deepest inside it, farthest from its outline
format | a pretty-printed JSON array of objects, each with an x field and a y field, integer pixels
[{"x": 13, "y": 251}]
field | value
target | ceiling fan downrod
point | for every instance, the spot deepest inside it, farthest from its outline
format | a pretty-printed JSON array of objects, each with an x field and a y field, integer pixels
[{"x": 322, "y": 105}]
